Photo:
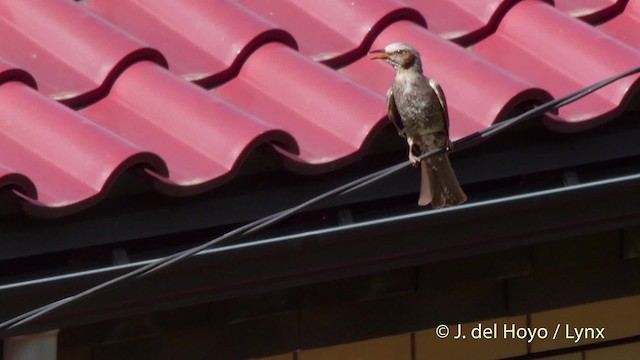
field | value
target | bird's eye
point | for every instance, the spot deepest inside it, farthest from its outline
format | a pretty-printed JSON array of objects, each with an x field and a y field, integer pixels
[{"x": 398, "y": 52}]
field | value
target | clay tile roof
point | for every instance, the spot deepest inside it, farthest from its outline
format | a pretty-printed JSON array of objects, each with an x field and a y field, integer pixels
[{"x": 187, "y": 90}]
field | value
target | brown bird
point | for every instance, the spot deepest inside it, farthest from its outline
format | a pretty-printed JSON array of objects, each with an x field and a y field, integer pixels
[{"x": 418, "y": 109}]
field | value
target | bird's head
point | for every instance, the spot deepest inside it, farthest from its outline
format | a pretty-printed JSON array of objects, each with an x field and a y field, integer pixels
[{"x": 400, "y": 56}]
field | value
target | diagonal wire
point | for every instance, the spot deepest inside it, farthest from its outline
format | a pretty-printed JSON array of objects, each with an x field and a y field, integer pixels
[
  {"x": 480, "y": 136},
  {"x": 461, "y": 144}
]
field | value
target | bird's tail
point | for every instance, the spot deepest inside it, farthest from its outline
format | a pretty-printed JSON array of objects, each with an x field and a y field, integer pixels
[{"x": 439, "y": 185}]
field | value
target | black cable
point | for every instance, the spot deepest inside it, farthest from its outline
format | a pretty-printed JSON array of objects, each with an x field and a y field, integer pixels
[
  {"x": 482, "y": 135},
  {"x": 461, "y": 144}
]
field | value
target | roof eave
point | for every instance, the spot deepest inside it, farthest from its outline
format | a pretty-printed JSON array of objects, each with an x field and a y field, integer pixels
[{"x": 342, "y": 251}]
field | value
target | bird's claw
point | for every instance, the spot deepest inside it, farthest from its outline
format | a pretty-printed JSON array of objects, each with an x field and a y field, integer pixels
[
  {"x": 448, "y": 146},
  {"x": 414, "y": 160}
]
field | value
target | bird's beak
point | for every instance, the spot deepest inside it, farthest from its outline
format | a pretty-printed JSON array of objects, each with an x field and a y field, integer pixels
[{"x": 383, "y": 55}]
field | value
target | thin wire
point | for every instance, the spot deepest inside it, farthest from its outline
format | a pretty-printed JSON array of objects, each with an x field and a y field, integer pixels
[
  {"x": 482, "y": 135},
  {"x": 463, "y": 143}
]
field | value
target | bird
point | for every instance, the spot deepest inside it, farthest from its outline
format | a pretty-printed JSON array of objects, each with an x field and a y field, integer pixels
[{"x": 416, "y": 105}]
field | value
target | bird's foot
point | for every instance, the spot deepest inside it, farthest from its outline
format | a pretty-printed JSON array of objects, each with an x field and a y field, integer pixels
[
  {"x": 414, "y": 159},
  {"x": 448, "y": 146}
]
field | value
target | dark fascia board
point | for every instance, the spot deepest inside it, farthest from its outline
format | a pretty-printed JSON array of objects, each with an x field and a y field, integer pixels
[
  {"x": 142, "y": 215},
  {"x": 388, "y": 243}
]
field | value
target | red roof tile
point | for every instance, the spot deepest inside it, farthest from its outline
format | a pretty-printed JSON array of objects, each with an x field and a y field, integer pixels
[
  {"x": 619, "y": 27},
  {"x": 463, "y": 21},
  {"x": 573, "y": 55},
  {"x": 200, "y": 137},
  {"x": 291, "y": 92},
  {"x": 333, "y": 32},
  {"x": 204, "y": 41},
  {"x": 69, "y": 158},
  {"x": 71, "y": 53},
  {"x": 591, "y": 11},
  {"x": 187, "y": 90}
]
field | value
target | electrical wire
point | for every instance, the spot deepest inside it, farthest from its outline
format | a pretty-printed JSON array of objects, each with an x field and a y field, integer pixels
[{"x": 461, "y": 144}]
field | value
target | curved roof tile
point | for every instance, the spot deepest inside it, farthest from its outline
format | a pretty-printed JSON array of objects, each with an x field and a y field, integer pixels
[
  {"x": 20, "y": 183},
  {"x": 292, "y": 92},
  {"x": 573, "y": 55},
  {"x": 463, "y": 21},
  {"x": 591, "y": 11},
  {"x": 70, "y": 52},
  {"x": 8, "y": 72},
  {"x": 621, "y": 26},
  {"x": 334, "y": 32},
  {"x": 70, "y": 159},
  {"x": 201, "y": 39},
  {"x": 468, "y": 21},
  {"x": 200, "y": 137}
]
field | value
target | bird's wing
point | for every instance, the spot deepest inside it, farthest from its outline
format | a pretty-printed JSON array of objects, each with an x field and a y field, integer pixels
[
  {"x": 393, "y": 114},
  {"x": 443, "y": 101}
]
